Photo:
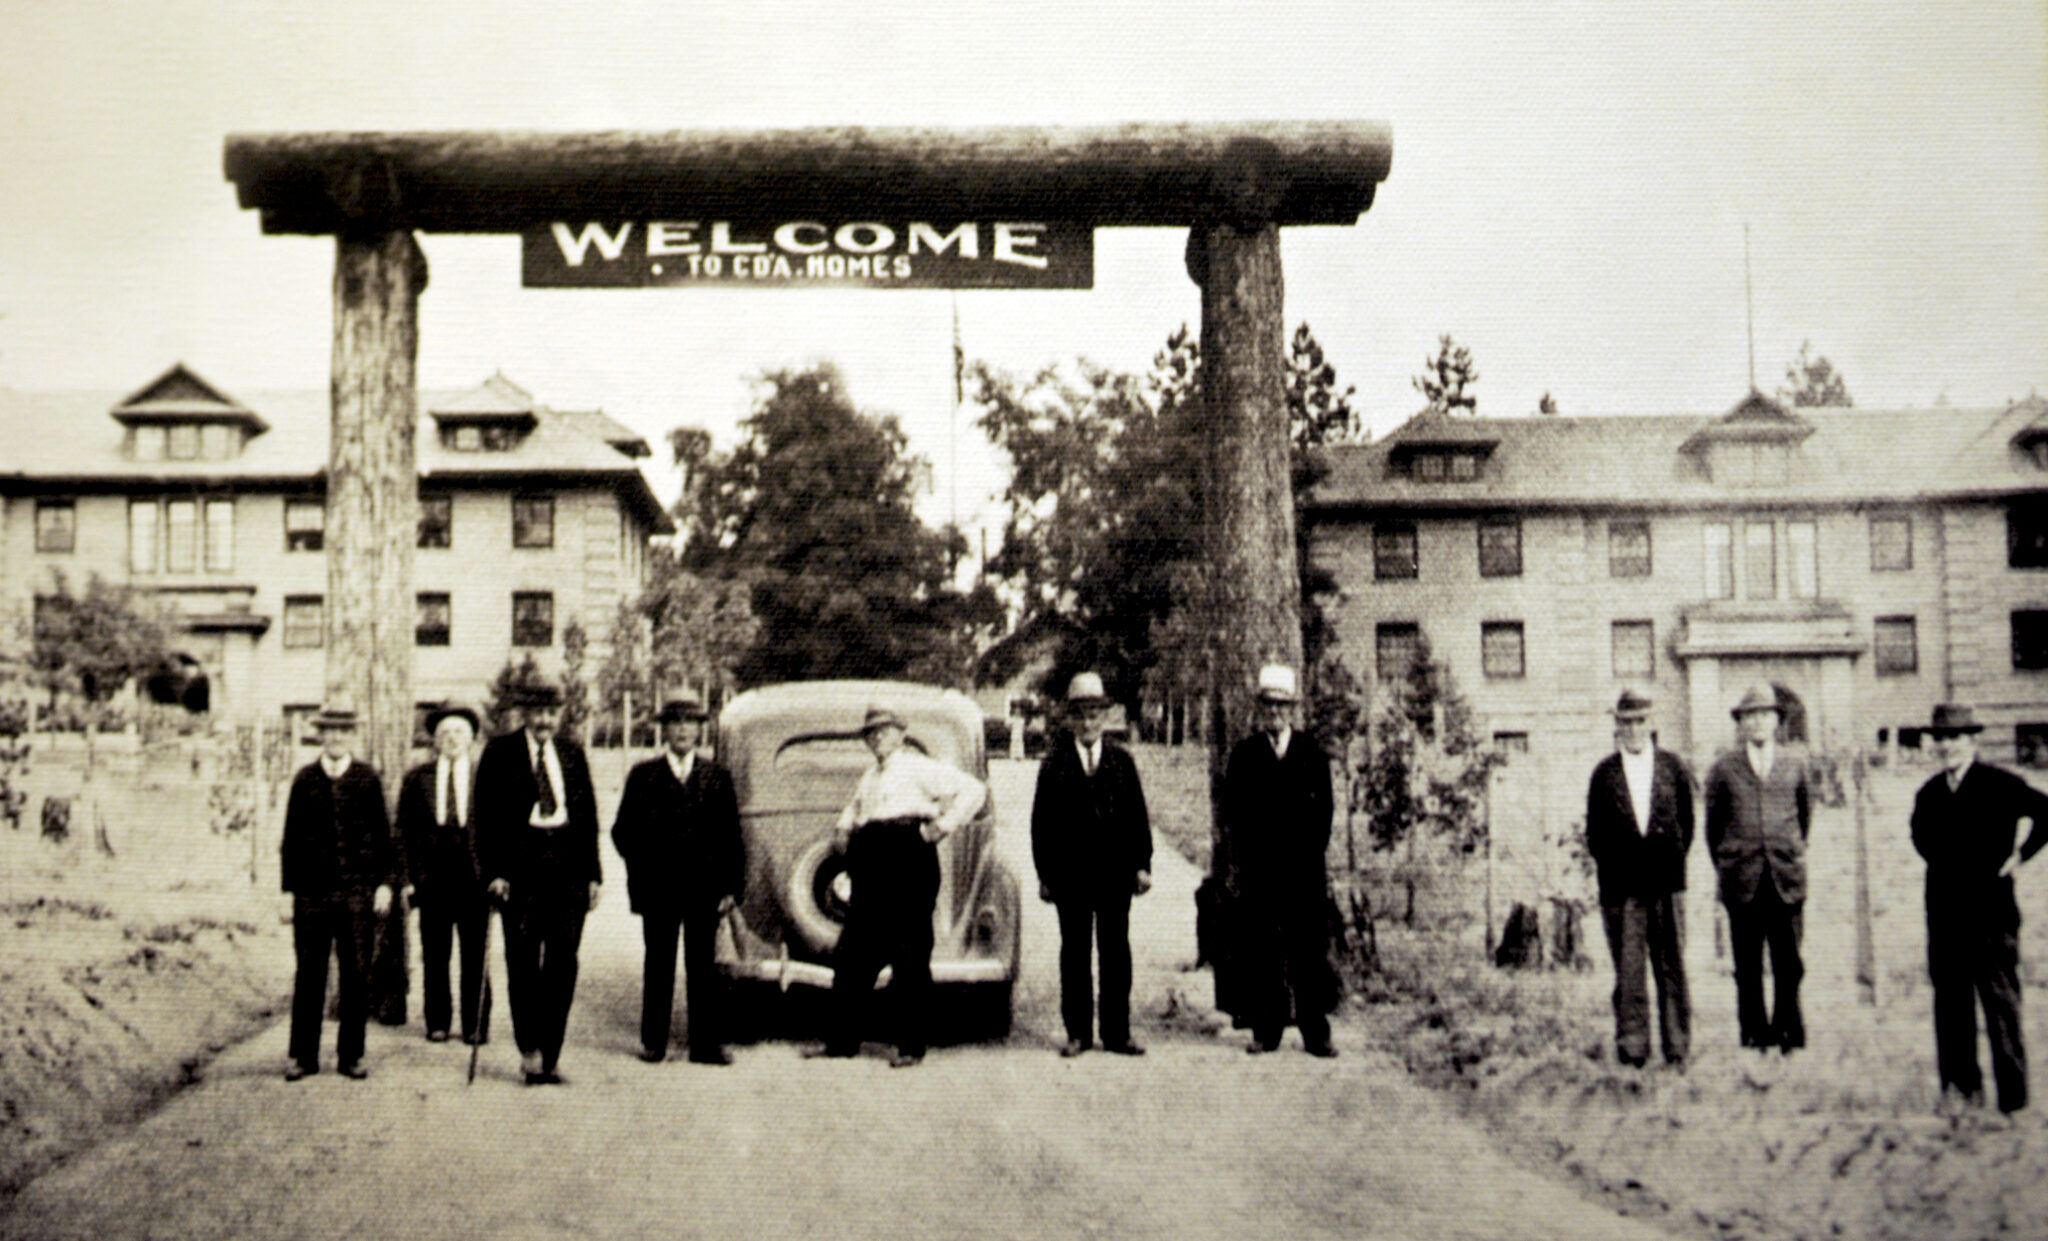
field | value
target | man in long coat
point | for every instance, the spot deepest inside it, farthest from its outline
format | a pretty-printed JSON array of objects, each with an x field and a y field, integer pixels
[
  {"x": 1277, "y": 807},
  {"x": 678, "y": 830},
  {"x": 340, "y": 865},
  {"x": 437, "y": 825},
  {"x": 1970, "y": 823},
  {"x": 536, "y": 817},
  {"x": 1759, "y": 810},
  {"x": 1091, "y": 842},
  {"x": 1639, "y": 824}
]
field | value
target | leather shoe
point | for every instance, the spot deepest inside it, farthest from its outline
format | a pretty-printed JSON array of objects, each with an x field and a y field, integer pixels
[
  {"x": 826, "y": 1051},
  {"x": 651, "y": 1056},
  {"x": 711, "y": 1055},
  {"x": 474, "y": 1040},
  {"x": 1256, "y": 1048},
  {"x": 354, "y": 1072},
  {"x": 1127, "y": 1047},
  {"x": 1322, "y": 1051},
  {"x": 437, "y": 1036},
  {"x": 901, "y": 1060},
  {"x": 293, "y": 1072},
  {"x": 1072, "y": 1047}
]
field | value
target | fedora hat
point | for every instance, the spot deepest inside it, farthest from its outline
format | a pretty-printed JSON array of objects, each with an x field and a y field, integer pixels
[
  {"x": 1632, "y": 706},
  {"x": 1276, "y": 684},
  {"x": 335, "y": 717},
  {"x": 453, "y": 709},
  {"x": 537, "y": 694},
  {"x": 1954, "y": 717},
  {"x": 1756, "y": 698},
  {"x": 1085, "y": 690},
  {"x": 682, "y": 711},
  {"x": 881, "y": 717}
]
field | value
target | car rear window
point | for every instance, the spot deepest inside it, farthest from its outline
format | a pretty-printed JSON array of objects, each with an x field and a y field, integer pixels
[{"x": 833, "y": 754}]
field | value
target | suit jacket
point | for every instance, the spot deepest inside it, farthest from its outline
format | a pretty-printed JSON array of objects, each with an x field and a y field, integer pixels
[
  {"x": 337, "y": 837},
  {"x": 1276, "y": 826},
  {"x": 1757, "y": 829},
  {"x": 1090, "y": 835},
  {"x": 680, "y": 839},
  {"x": 1639, "y": 862},
  {"x": 1966, "y": 835},
  {"x": 561, "y": 860},
  {"x": 441, "y": 862}
]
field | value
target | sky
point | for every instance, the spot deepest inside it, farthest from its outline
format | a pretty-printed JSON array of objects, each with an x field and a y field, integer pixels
[{"x": 1568, "y": 197}]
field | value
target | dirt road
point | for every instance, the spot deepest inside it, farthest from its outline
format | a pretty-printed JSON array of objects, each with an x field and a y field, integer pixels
[{"x": 1196, "y": 1140}]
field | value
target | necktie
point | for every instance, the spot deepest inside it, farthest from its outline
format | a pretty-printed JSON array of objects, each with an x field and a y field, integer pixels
[
  {"x": 450, "y": 816},
  {"x": 1088, "y": 762},
  {"x": 547, "y": 788}
]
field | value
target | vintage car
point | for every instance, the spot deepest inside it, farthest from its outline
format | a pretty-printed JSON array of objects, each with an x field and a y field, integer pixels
[{"x": 795, "y": 752}]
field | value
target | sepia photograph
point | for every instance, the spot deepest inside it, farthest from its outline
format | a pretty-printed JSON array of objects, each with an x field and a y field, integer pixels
[{"x": 947, "y": 620}]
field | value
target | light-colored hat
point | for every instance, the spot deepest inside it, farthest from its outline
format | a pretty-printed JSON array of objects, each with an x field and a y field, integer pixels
[
  {"x": 1086, "y": 690},
  {"x": 881, "y": 717},
  {"x": 456, "y": 709},
  {"x": 1757, "y": 698},
  {"x": 1632, "y": 706},
  {"x": 1276, "y": 684},
  {"x": 335, "y": 717},
  {"x": 1953, "y": 717}
]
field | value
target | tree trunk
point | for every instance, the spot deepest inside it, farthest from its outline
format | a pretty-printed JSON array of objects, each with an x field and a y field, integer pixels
[{"x": 372, "y": 526}]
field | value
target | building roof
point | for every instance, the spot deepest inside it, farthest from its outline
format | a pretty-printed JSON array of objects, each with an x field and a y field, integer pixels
[
  {"x": 1838, "y": 456},
  {"x": 75, "y": 439}
]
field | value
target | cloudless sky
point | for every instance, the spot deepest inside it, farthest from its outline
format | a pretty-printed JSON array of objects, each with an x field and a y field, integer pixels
[{"x": 1569, "y": 188}]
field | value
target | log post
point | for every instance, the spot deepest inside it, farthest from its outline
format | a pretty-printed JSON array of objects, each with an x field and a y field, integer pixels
[{"x": 372, "y": 524}]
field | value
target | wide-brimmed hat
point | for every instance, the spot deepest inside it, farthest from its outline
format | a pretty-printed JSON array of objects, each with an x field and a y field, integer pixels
[
  {"x": 537, "y": 694},
  {"x": 1085, "y": 690},
  {"x": 881, "y": 717},
  {"x": 1954, "y": 717},
  {"x": 1276, "y": 684},
  {"x": 682, "y": 711},
  {"x": 335, "y": 717},
  {"x": 1757, "y": 698},
  {"x": 1632, "y": 706},
  {"x": 453, "y": 709}
]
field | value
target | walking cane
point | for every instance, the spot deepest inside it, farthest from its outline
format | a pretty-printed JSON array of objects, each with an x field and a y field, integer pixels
[{"x": 483, "y": 1002}]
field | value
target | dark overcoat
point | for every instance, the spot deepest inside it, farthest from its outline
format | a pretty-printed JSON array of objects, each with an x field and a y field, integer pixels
[
  {"x": 1090, "y": 835},
  {"x": 1276, "y": 832},
  {"x": 1966, "y": 836},
  {"x": 440, "y": 861},
  {"x": 337, "y": 837},
  {"x": 1756, "y": 829},
  {"x": 533, "y": 860},
  {"x": 680, "y": 839},
  {"x": 1636, "y": 862}
]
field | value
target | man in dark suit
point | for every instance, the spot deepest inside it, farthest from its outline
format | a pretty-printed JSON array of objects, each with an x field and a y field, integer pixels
[
  {"x": 1639, "y": 825},
  {"x": 1759, "y": 810},
  {"x": 340, "y": 865},
  {"x": 437, "y": 825},
  {"x": 1091, "y": 841},
  {"x": 1975, "y": 823},
  {"x": 1277, "y": 806},
  {"x": 536, "y": 818},
  {"x": 678, "y": 830}
]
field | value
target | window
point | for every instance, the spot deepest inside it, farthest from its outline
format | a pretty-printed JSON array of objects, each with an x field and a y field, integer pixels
[
  {"x": 1894, "y": 645},
  {"x": 2026, "y": 535},
  {"x": 1720, "y": 549},
  {"x": 220, "y": 535},
  {"x": 181, "y": 531},
  {"x": 533, "y": 521},
  {"x": 216, "y": 441},
  {"x": 1628, "y": 548},
  {"x": 1395, "y": 646},
  {"x": 1464, "y": 467},
  {"x": 431, "y": 629},
  {"x": 1500, "y": 547},
  {"x": 56, "y": 526},
  {"x": 1802, "y": 560},
  {"x": 2030, "y": 640},
  {"x": 1634, "y": 649},
  {"x": 1891, "y": 544},
  {"x": 1759, "y": 561},
  {"x": 184, "y": 441},
  {"x": 305, "y": 525},
  {"x": 533, "y": 618},
  {"x": 305, "y": 621},
  {"x": 1510, "y": 744},
  {"x": 1432, "y": 467},
  {"x": 437, "y": 521},
  {"x": 1393, "y": 550},
  {"x": 149, "y": 443},
  {"x": 142, "y": 536},
  {"x": 1500, "y": 649},
  {"x": 2030, "y": 742}
]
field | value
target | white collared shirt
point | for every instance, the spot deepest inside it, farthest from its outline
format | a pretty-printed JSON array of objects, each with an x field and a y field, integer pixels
[
  {"x": 461, "y": 766},
  {"x": 1639, "y": 770},
  {"x": 1761, "y": 758},
  {"x": 1281, "y": 741},
  {"x": 332, "y": 768},
  {"x": 1955, "y": 778},
  {"x": 910, "y": 785},
  {"x": 682, "y": 767},
  {"x": 1091, "y": 755},
  {"x": 545, "y": 754}
]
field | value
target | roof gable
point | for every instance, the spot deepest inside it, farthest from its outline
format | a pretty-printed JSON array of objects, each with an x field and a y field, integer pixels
[{"x": 180, "y": 395}]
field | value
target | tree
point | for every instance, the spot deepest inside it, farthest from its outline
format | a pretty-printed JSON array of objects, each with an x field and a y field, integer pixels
[
  {"x": 575, "y": 690},
  {"x": 1446, "y": 377},
  {"x": 1813, "y": 382},
  {"x": 814, "y": 511},
  {"x": 94, "y": 644},
  {"x": 506, "y": 692},
  {"x": 1547, "y": 405},
  {"x": 1317, "y": 415}
]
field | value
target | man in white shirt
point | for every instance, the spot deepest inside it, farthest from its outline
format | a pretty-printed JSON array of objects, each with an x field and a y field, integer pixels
[{"x": 902, "y": 808}]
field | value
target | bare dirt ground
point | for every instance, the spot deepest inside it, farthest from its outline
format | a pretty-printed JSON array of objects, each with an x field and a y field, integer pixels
[{"x": 1195, "y": 1140}]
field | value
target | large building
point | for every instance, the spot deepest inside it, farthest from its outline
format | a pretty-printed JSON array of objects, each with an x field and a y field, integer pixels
[
  {"x": 530, "y": 518},
  {"x": 1868, "y": 564}
]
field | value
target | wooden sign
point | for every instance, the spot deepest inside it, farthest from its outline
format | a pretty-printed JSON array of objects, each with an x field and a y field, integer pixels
[{"x": 870, "y": 254}]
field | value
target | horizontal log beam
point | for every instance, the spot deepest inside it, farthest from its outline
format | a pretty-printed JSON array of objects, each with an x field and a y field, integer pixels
[{"x": 1296, "y": 172}]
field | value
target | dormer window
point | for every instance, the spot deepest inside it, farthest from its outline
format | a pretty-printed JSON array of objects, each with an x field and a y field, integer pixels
[
  {"x": 184, "y": 441},
  {"x": 1437, "y": 466},
  {"x": 180, "y": 417},
  {"x": 482, "y": 436},
  {"x": 495, "y": 416},
  {"x": 1752, "y": 445}
]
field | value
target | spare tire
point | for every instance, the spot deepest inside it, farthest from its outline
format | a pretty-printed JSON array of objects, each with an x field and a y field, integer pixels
[{"x": 815, "y": 894}]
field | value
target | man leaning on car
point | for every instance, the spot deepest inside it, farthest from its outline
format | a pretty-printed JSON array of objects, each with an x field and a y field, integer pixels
[{"x": 904, "y": 805}]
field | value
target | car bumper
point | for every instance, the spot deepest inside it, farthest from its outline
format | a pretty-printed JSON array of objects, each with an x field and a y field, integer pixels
[{"x": 786, "y": 973}]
